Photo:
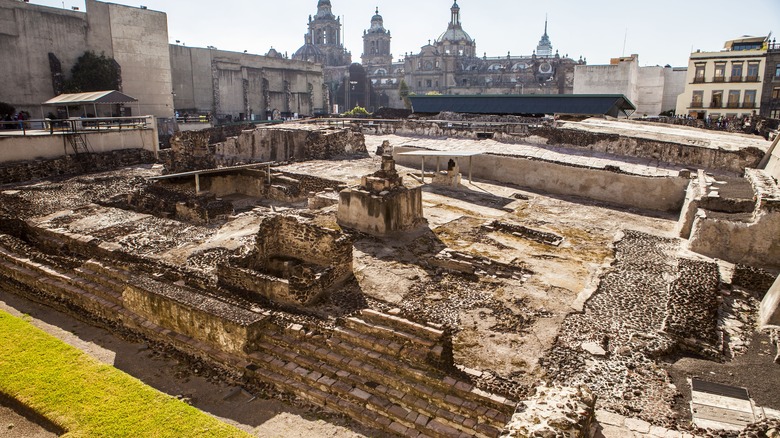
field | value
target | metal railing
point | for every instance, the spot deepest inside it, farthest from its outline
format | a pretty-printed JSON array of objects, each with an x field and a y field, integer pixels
[
  {"x": 697, "y": 104},
  {"x": 73, "y": 125},
  {"x": 751, "y": 79}
]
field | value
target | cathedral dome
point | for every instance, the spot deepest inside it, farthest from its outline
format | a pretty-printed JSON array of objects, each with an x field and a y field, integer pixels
[
  {"x": 455, "y": 33},
  {"x": 309, "y": 52},
  {"x": 377, "y": 23}
]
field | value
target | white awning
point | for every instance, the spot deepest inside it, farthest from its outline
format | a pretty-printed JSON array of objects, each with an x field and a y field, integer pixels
[{"x": 109, "y": 97}]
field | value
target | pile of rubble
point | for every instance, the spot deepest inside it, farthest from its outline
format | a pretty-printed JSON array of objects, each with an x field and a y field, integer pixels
[{"x": 554, "y": 411}]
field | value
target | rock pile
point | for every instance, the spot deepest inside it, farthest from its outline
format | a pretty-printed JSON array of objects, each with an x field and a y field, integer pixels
[{"x": 554, "y": 411}]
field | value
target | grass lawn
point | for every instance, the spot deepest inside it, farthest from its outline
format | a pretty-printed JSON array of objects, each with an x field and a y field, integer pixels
[{"x": 87, "y": 398}]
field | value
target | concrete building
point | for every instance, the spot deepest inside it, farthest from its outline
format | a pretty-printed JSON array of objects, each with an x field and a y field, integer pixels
[
  {"x": 240, "y": 86},
  {"x": 727, "y": 83},
  {"x": 652, "y": 90},
  {"x": 39, "y": 45}
]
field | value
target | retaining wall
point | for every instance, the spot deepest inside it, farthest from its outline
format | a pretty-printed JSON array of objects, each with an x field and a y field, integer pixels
[{"x": 665, "y": 194}]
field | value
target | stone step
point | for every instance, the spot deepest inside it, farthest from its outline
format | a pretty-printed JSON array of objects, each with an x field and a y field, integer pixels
[
  {"x": 402, "y": 337},
  {"x": 434, "y": 395},
  {"x": 429, "y": 377},
  {"x": 312, "y": 376},
  {"x": 401, "y": 324}
]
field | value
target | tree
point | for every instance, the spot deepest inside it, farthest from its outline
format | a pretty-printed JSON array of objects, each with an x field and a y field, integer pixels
[
  {"x": 93, "y": 72},
  {"x": 403, "y": 90},
  {"x": 6, "y": 109}
]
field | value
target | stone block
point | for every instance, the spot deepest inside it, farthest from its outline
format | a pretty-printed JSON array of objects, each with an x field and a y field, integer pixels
[{"x": 637, "y": 425}]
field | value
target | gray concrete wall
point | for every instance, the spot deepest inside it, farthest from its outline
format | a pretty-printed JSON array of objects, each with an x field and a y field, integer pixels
[
  {"x": 674, "y": 86},
  {"x": 139, "y": 39},
  {"x": 136, "y": 38},
  {"x": 54, "y": 146},
  {"x": 630, "y": 191},
  {"x": 649, "y": 91},
  {"x": 222, "y": 82},
  {"x": 769, "y": 314}
]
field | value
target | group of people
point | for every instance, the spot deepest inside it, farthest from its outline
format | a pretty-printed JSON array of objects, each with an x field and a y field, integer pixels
[{"x": 15, "y": 121}]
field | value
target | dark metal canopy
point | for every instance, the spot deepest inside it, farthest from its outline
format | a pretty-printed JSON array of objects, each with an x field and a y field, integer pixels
[{"x": 614, "y": 105}]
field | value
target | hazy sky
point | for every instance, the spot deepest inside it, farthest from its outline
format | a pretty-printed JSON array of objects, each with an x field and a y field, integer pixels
[{"x": 660, "y": 31}]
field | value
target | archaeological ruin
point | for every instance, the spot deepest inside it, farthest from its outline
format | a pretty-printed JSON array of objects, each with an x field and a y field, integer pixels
[{"x": 560, "y": 278}]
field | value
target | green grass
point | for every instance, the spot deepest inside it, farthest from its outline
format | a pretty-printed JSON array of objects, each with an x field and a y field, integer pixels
[{"x": 89, "y": 399}]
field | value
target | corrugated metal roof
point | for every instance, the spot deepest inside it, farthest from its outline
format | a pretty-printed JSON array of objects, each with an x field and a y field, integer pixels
[
  {"x": 102, "y": 97},
  {"x": 718, "y": 389},
  {"x": 580, "y": 104}
]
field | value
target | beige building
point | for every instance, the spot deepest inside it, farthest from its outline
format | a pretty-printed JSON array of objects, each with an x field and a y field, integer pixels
[
  {"x": 727, "y": 83},
  {"x": 653, "y": 90},
  {"x": 39, "y": 46}
]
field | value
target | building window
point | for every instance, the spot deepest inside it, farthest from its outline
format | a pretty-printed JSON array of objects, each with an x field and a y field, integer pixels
[
  {"x": 717, "y": 99},
  {"x": 428, "y": 83},
  {"x": 699, "y": 77},
  {"x": 698, "y": 99},
  {"x": 776, "y": 93},
  {"x": 777, "y": 71},
  {"x": 734, "y": 99},
  {"x": 752, "y": 72},
  {"x": 720, "y": 72},
  {"x": 437, "y": 84},
  {"x": 419, "y": 84},
  {"x": 774, "y": 114},
  {"x": 736, "y": 72},
  {"x": 465, "y": 82},
  {"x": 750, "y": 99}
]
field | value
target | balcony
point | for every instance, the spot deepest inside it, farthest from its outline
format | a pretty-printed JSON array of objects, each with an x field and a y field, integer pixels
[
  {"x": 697, "y": 104},
  {"x": 751, "y": 79},
  {"x": 735, "y": 79},
  {"x": 698, "y": 80},
  {"x": 748, "y": 104},
  {"x": 732, "y": 105},
  {"x": 719, "y": 79},
  {"x": 716, "y": 105}
]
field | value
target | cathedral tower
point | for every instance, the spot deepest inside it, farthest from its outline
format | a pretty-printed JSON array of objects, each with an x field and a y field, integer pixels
[
  {"x": 325, "y": 36},
  {"x": 376, "y": 45}
]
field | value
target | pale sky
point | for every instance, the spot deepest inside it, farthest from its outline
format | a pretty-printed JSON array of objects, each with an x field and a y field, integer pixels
[{"x": 660, "y": 31}]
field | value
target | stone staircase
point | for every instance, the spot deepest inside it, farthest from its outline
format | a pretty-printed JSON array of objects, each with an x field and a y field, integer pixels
[
  {"x": 381, "y": 370},
  {"x": 377, "y": 368}
]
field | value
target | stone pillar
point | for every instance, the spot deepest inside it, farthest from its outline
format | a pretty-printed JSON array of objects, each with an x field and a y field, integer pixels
[{"x": 769, "y": 315}]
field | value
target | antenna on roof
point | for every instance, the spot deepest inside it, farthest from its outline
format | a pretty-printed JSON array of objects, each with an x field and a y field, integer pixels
[{"x": 625, "y": 38}]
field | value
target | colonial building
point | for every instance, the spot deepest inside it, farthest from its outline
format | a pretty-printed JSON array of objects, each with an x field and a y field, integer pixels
[
  {"x": 323, "y": 45},
  {"x": 653, "y": 90},
  {"x": 728, "y": 83},
  {"x": 770, "y": 97},
  {"x": 450, "y": 65}
]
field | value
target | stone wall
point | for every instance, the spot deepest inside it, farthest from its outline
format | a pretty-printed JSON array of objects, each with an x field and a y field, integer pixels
[
  {"x": 226, "y": 146},
  {"x": 613, "y": 187},
  {"x": 193, "y": 314},
  {"x": 293, "y": 263},
  {"x": 667, "y": 152},
  {"x": 378, "y": 214},
  {"x": 72, "y": 165}
]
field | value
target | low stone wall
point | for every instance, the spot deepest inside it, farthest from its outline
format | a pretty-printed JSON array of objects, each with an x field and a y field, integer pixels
[
  {"x": 193, "y": 314},
  {"x": 509, "y": 132},
  {"x": 665, "y": 194},
  {"x": 19, "y": 171},
  {"x": 34, "y": 147}
]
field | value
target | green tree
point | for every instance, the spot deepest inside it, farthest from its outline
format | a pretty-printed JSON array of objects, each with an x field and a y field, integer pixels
[
  {"x": 6, "y": 108},
  {"x": 403, "y": 90},
  {"x": 93, "y": 72}
]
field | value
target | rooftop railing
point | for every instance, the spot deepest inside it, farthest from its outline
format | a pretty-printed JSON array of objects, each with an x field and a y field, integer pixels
[{"x": 73, "y": 125}]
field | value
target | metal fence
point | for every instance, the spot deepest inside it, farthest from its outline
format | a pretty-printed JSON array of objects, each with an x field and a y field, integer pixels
[{"x": 73, "y": 125}]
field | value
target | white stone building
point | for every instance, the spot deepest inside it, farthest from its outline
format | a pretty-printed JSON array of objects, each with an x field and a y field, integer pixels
[{"x": 652, "y": 90}]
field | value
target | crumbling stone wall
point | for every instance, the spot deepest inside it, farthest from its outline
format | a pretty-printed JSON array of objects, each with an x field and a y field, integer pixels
[
  {"x": 73, "y": 165},
  {"x": 554, "y": 411},
  {"x": 294, "y": 262},
  {"x": 676, "y": 153}
]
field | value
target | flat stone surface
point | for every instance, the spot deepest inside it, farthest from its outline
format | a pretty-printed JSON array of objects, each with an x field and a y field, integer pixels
[
  {"x": 605, "y": 417},
  {"x": 593, "y": 348},
  {"x": 637, "y": 425}
]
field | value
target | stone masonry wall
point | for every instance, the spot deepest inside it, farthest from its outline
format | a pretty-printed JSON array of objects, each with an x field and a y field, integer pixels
[{"x": 72, "y": 165}]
